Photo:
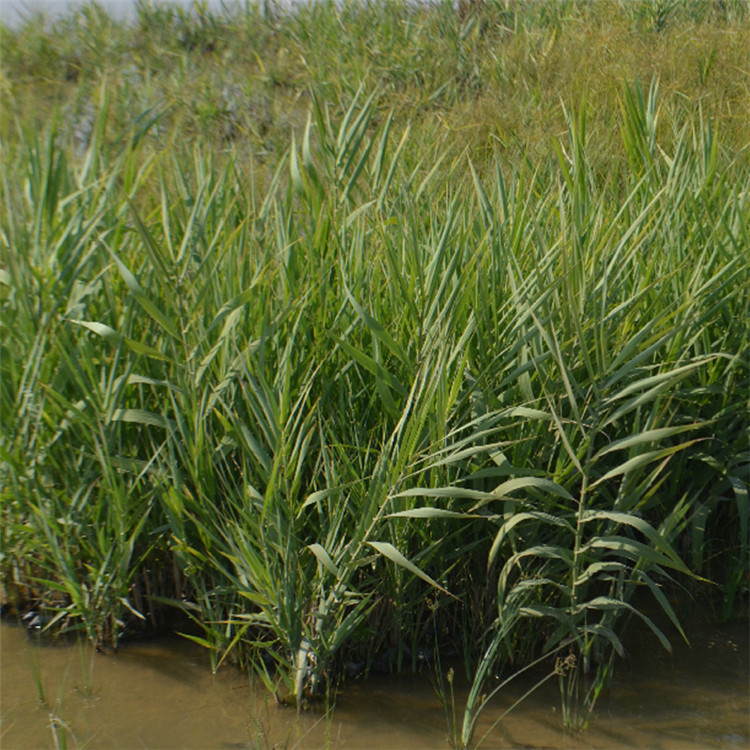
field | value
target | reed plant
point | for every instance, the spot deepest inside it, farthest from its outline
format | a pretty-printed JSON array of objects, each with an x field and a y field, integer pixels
[{"x": 351, "y": 386}]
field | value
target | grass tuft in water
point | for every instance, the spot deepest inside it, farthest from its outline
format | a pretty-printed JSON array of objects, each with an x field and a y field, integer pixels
[{"x": 334, "y": 364}]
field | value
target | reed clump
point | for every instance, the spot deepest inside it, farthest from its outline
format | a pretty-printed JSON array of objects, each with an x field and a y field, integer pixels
[{"x": 430, "y": 353}]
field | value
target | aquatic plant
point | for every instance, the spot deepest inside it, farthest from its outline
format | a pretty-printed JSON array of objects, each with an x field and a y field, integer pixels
[{"x": 344, "y": 387}]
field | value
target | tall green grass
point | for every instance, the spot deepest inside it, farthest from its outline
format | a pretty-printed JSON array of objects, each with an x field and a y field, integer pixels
[
  {"x": 488, "y": 78},
  {"x": 376, "y": 393}
]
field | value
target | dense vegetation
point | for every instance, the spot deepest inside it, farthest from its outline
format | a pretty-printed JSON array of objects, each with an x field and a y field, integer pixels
[{"x": 434, "y": 337}]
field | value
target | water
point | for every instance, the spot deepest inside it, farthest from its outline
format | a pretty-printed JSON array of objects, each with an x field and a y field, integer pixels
[
  {"x": 161, "y": 694},
  {"x": 11, "y": 11}
]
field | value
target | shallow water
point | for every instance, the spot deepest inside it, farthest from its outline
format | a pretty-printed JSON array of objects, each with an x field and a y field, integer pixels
[
  {"x": 13, "y": 11},
  {"x": 161, "y": 694}
]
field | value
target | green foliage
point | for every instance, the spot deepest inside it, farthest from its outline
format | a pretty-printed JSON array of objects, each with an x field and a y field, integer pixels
[{"x": 336, "y": 391}]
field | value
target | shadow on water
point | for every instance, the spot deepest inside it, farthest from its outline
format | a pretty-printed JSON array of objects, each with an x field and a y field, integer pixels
[{"x": 161, "y": 694}]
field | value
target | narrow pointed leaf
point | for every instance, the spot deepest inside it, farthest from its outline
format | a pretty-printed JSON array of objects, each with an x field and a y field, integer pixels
[
  {"x": 389, "y": 551},
  {"x": 325, "y": 559}
]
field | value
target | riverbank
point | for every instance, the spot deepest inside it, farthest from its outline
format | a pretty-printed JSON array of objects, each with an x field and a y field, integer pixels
[
  {"x": 488, "y": 81},
  {"x": 427, "y": 344}
]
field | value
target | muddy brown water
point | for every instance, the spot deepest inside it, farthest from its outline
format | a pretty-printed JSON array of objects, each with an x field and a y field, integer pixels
[{"x": 162, "y": 694}]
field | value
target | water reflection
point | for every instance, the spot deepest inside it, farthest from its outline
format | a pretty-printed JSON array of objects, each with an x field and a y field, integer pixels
[{"x": 161, "y": 694}]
